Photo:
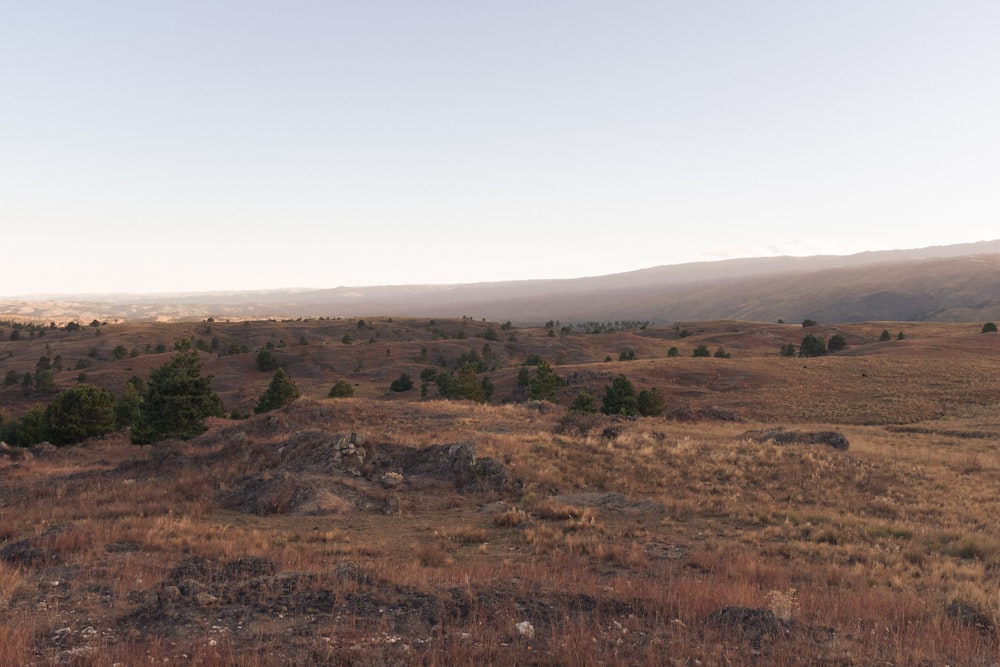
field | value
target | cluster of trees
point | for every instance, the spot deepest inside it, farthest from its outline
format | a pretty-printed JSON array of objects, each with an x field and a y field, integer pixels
[
  {"x": 621, "y": 398},
  {"x": 609, "y": 327},
  {"x": 703, "y": 351},
  {"x": 814, "y": 346},
  {"x": 172, "y": 404},
  {"x": 463, "y": 384}
]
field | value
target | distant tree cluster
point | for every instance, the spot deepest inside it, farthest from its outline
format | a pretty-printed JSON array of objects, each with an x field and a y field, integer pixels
[{"x": 608, "y": 327}]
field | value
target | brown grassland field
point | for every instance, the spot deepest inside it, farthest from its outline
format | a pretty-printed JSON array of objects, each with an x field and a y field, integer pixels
[{"x": 691, "y": 538}]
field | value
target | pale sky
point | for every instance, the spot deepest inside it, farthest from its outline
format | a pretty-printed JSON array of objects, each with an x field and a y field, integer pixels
[{"x": 205, "y": 145}]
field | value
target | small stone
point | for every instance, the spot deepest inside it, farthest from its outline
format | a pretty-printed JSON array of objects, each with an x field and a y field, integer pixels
[{"x": 525, "y": 629}]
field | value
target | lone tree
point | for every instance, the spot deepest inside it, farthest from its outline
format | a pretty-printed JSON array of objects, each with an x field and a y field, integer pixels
[
  {"x": 546, "y": 384},
  {"x": 651, "y": 402},
  {"x": 341, "y": 389},
  {"x": 279, "y": 393},
  {"x": 812, "y": 346},
  {"x": 836, "y": 343},
  {"x": 266, "y": 361},
  {"x": 990, "y": 327},
  {"x": 620, "y": 398},
  {"x": 176, "y": 402},
  {"x": 885, "y": 336},
  {"x": 403, "y": 383},
  {"x": 583, "y": 402}
]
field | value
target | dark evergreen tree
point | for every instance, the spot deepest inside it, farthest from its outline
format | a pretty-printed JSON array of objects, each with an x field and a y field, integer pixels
[
  {"x": 467, "y": 385},
  {"x": 178, "y": 398},
  {"x": 403, "y": 383},
  {"x": 812, "y": 346},
  {"x": 266, "y": 361},
  {"x": 651, "y": 402},
  {"x": 341, "y": 389},
  {"x": 620, "y": 398},
  {"x": 279, "y": 393},
  {"x": 583, "y": 402},
  {"x": 127, "y": 405},
  {"x": 836, "y": 343},
  {"x": 77, "y": 414},
  {"x": 546, "y": 384}
]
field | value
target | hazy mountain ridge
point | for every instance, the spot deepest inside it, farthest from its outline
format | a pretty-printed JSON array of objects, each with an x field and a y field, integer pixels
[{"x": 941, "y": 283}]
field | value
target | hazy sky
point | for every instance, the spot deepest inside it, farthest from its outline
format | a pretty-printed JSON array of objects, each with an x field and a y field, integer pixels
[{"x": 202, "y": 145}]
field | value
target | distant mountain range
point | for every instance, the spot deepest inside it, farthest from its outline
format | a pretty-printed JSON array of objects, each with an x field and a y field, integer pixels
[{"x": 941, "y": 283}]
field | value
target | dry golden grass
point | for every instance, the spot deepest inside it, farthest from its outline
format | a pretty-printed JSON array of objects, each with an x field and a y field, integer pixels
[{"x": 623, "y": 540}]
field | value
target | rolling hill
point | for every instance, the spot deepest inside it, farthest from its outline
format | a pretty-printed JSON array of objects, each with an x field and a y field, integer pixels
[{"x": 943, "y": 283}]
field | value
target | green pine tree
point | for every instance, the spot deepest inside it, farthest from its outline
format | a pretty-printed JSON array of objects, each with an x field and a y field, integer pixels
[
  {"x": 279, "y": 393},
  {"x": 176, "y": 402}
]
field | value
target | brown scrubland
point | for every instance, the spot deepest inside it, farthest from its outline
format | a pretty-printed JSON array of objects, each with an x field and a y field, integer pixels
[{"x": 395, "y": 528}]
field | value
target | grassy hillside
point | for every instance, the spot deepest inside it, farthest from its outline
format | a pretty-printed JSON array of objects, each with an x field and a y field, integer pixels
[{"x": 391, "y": 528}]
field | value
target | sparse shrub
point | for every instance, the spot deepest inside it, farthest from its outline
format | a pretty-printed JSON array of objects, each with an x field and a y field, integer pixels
[
  {"x": 280, "y": 392},
  {"x": 341, "y": 389},
  {"x": 901, "y": 336},
  {"x": 701, "y": 351},
  {"x": 673, "y": 352},
  {"x": 788, "y": 350},
  {"x": 11, "y": 378},
  {"x": 627, "y": 355},
  {"x": 720, "y": 353}
]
